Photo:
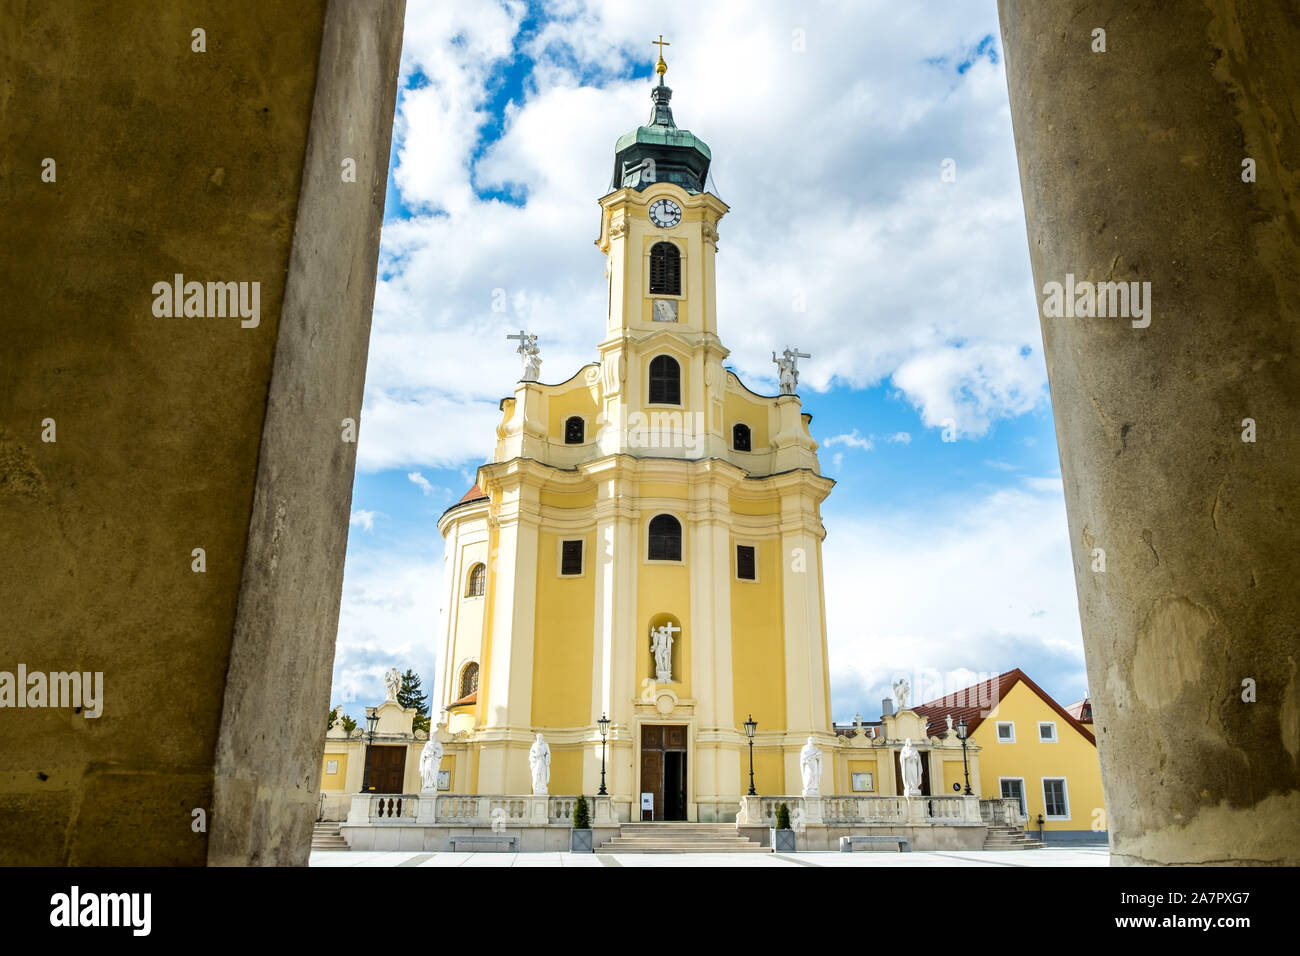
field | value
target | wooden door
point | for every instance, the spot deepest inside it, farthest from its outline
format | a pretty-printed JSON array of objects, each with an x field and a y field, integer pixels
[
  {"x": 663, "y": 770},
  {"x": 386, "y": 768}
]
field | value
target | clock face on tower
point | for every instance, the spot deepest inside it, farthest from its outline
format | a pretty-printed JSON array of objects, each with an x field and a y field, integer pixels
[{"x": 665, "y": 213}]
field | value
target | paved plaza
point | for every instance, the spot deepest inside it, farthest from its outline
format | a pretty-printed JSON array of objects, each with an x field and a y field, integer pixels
[{"x": 1050, "y": 857}]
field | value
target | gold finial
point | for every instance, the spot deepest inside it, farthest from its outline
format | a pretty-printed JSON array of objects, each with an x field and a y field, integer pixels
[{"x": 661, "y": 67}]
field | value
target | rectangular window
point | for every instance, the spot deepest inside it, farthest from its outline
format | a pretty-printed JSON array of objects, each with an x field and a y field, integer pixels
[
  {"x": 571, "y": 557},
  {"x": 1014, "y": 788},
  {"x": 1006, "y": 732},
  {"x": 1047, "y": 731},
  {"x": 745, "y": 569},
  {"x": 1056, "y": 805}
]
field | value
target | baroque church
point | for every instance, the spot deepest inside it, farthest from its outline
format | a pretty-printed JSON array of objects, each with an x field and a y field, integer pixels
[{"x": 646, "y": 545}]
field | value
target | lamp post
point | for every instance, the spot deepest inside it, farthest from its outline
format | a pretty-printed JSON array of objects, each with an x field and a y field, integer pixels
[
  {"x": 751, "y": 727},
  {"x": 961, "y": 735},
  {"x": 372, "y": 720},
  {"x": 604, "y": 729}
]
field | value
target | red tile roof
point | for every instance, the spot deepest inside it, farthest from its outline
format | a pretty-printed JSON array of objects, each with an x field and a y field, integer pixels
[
  {"x": 977, "y": 701},
  {"x": 473, "y": 493},
  {"x": 1081, "y": 710},
  {"x": 464, "y": 701}
]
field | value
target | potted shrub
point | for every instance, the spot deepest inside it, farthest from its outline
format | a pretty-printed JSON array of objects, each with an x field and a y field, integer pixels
[
  {"x": 782, "y": 836},
  {"x": 580, "y": 835}
]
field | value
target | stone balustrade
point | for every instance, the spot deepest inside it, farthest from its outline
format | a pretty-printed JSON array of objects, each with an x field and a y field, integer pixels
[
  {"x": 862, "y": 811},
  {"x": 1001, "y": 812},
  {"x": 469, "y": 810}
]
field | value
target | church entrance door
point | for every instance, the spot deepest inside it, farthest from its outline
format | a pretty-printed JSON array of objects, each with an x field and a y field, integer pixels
[
  {"x": 663, "y": 771},
  {"x": 386, "y": 768}
]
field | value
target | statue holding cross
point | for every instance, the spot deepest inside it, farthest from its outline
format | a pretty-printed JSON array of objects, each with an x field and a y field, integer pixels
[
  {"x": 661, "y": 643},
  {"x": 788, "y": 368},
  {"x": 531, "y": 355}
]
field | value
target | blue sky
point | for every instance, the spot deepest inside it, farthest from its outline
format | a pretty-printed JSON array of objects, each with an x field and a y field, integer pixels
[{"x": 946, "y": 561}]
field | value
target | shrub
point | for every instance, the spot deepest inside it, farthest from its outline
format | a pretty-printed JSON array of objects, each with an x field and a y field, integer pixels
[
  {"x": 782, "y": 817},
  {"x": 581, "y": 821}
]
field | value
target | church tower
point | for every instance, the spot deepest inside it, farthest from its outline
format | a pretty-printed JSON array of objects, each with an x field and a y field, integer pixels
[{"x": 646, "y": 543}]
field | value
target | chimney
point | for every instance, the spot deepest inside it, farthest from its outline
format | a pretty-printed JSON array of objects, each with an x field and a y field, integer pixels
[{"x": 887, "y": 707}]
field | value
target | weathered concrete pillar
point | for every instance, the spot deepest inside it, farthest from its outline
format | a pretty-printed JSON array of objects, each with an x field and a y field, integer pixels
[
  {"x": 214, "y": 142},
  {"x": 1132, "y": 163}
]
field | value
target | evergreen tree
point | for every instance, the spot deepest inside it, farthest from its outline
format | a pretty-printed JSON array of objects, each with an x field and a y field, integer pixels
[{"x": 411, "y": 696}]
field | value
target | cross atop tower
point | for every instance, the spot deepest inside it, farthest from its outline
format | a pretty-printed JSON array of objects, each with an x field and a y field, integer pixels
[{"x": 661, "y": 67}]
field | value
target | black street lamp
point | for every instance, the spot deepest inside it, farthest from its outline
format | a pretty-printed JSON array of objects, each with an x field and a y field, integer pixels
[
  {"x": 961, "y": 735},
  {"x": 372, "y": 721},
  {"x": 751, "y": 727},
  {"x": 604, "y": 729}
]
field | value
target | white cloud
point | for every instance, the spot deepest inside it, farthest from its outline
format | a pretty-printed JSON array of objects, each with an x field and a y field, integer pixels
[
  {"x": 901, "y": 438},
  {"x": 852, "y": 440},
  {"x": 421, "y": 482},
  {"x": 365, "y": 519},
  {"x": 980, "y": 586}
]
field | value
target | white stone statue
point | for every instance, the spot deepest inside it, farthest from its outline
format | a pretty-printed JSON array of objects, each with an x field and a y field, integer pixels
[
  {"x": 787, "y": 367},
  {"x": 539, "y": 762},
  {"x": 661, "y": 643},
  {"x": 949, "y": 723},
  {"x": 430, "y": 762},
  {"x": 810, "y": 765},
  {"x": 393, "y": 683},
  {"x": 902, "y": 691},
  {"x": 530, "y": 353},
  {"x": 909, "y": 760}
]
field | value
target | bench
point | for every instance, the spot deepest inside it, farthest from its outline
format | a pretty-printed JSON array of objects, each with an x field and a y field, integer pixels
[
  {"x": 849, "y": 844},
  {"x": 505, "y": 842}
]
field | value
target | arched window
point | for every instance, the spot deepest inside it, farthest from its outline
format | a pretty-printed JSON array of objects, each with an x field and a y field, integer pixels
[
  {"x": 665, "y": 381},
  {"x": 468, "y": 680},
  {"x": 476, "y": 583},
  {"x": 665, "y": 269},
  {"x": 665, "y": 538},
  {"x": 575, "y": 430},
  {"x": 740, "y": 437}
]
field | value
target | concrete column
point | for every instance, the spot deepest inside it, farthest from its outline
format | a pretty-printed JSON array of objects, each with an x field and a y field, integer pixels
[
  {"x": 1132, "y": 164},
  {"x": 135, "y": 153}
]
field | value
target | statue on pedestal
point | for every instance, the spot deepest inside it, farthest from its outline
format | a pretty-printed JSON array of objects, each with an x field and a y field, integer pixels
[
  {"x": 810, "y": 766},
  {"x": 530, "y": 353},
  {"x": 661, "y": 643},
  {"x": 392, "y": 683},
  {"x": 539, "y": 762},
  {"x": 902, "y": 691},
  {"x": 430, "y": 761},
  {"x": 909, "y": 761}
]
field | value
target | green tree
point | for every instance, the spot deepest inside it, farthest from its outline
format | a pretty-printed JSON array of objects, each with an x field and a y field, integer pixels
[
  {"x": 411, "y": 696},
  {"x": 349, "y": 724}
]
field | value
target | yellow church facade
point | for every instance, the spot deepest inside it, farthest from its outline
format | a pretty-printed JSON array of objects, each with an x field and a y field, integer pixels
[{"x": 649, "y": 492}]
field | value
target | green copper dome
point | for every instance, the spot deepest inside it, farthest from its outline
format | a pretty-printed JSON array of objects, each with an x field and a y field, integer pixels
[{"x": 659, "y": 152}]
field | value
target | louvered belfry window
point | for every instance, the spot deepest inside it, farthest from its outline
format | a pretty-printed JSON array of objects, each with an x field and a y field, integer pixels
[
  {"x": 740, "y": 437},
  {"x": 665, "y": 269},
  {"x": 665, "y": 381},
  {"x": 574, "y": 431}
]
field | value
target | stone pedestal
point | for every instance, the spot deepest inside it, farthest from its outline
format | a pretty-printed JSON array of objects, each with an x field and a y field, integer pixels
[
  {"x": 537, "y": 804},
  {"x": 603, "y": 811},
  {"x": 812, "y": 811},
  {"x": 427, "y": 810},
  {"x": 916, "y": 811}
]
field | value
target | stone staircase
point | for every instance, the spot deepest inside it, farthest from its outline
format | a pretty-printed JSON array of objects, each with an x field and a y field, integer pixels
[
  {"x": 1010, "y": 838},
  {"x": 327, "y": 836},
  {"x": 680, "y": 838}
]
